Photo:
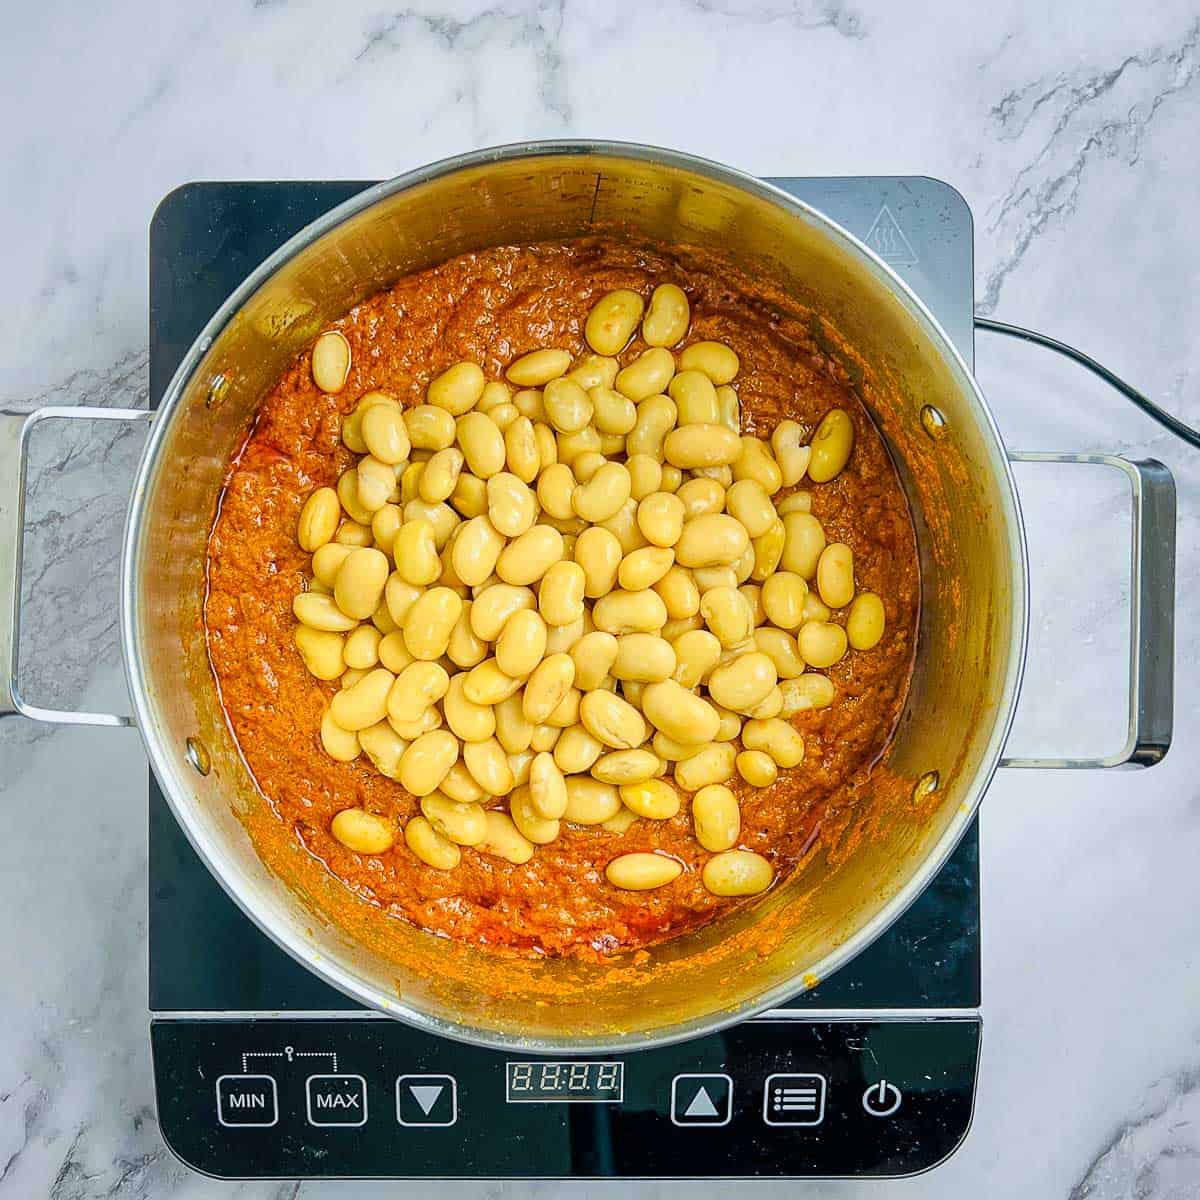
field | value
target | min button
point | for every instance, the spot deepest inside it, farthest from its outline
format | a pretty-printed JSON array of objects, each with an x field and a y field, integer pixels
[{"x": 247, "y": 1101}]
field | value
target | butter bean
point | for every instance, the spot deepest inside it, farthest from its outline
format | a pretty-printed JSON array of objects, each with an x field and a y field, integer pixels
[
  {"x": 695, "y": 399},
  {"x": 645, "y": 475},
  {"x": 363, "y": 832},
  {"x": 814, "y": 610},
  {"x": 476, "y": 550},
  {"x": 714, "y": 359},
  {"x": 643, "y": 657},
  {"x": 696, "y": 654},
  {"x": 656, "y": 418},
  {"x": 749, "y": 503},
  {"x": 776, "y": 738},
  {"x": 503, "y": 416},
  {"x": 415, "y": 554},
  {"x": 482, "y": 444},
  {"x": 703, "y": 445},
  {"x": 780, "y": 647},
  {"x": 626, "y": 766},
  {"x": 430, "y": 622},
  {"x": 399, "y": 595},
  {"x": 513, "y": 731},
  {"x": 821, "y": 643},
  {"x": 594, "y": 655},
  {"x": 429, "y": 720},
  {"x": 669, "y": 750},
  {"x": 375, "y": 481},
  {"x": 710, "y": 540},
  {"x": 568, "y": 407},
  {"x": 487, "y": 684},
  {"x": 604, "y": 494},
  {"x": 463, "y": 824},
  {"x": 654, "y": 799},
  {"x": 427, "y": 761},
  {"x": 716, "y": 817},
  {"x": 835, "y": 575},
  {"x": 660, "y": 517},
  {"x": 429, "y": 427},
  {"x": 783, "y": 599},
  {"x": 547, "y": 788},
  {"x": 464, "y": 649},
  {"x": 680, "y": 714},
  {"x": 589, "y": 801},
  {"x": 729, "y": 408},
  {"x": 347, "y": 493},
  {"x": 527, "y": 558},
  {"x": 410, "y": 477},
  {"x": 755, "y": 462},
  {"x": 648, "y": 375},
  {"x": 667, "y": 317},
  {"x": 385, "y": 524},
  {"x": 331, "y": 361},
  {"x": 804, "y": 539},
  {"x": 327, "y": 560},
  {"x": 468, "y": 721},
  {"x": 757, "y": 768},
  {"x": 322, "y": 651},
  {"x": 805, "y": 693},
  {"x": 384, "y": 747},
  {"x": 457, "y": 389},
  {"x": 522, "y": 644},
  {"x": 865, "y": 622},
  {"x": 493, "y": 605},
  {"x": 642, "y": 871},
  {"x": 708, "y": 578},
  {"x": 744, "y": 683},
  {"x": 547, "y": 686},
  {"x": 522, "y": 454},
  {"x": 538, "y": 367},
  {"x": 359, "y": 585},
  {"x": 364, "y": 703},
  {"x": 713, "y": 764},
  {"x": 831, "y": 446},
  {"x": 701, "y": 496},
  {"x": 361, "y": 649},
  {"x": 430, "y": 846},
  {"x": 340, "y": 744},
  {"x": 416, "y": 688},
  {"x": 560, "y": 594},
  {"x": 318, "y": 519},
  {"x": 393, "y": 653},
  {"x": 624, "y": 527},
  {"x": 486, "y": 762},
  {"x": 727, "y": 614},
  {"x": 612, "y": 321},
  {"x": 630, "y": 612},
  {"x": 615, "y": 415},
  {"x": 320, "y": 612},
  {"x": 792, "y": 455},
  {"x": 679, "y": 593},
  {"x": 796, "y": 502},
  {"x": 768, "y": 551},
  {"x": 595, "y": 370},
  {"x": 351, "y": 431},
  {"x": 737, "y": 873},
  {"x": 612, "y": 720},
  {"x": 643, "y": 568},
  {"x": 555, "y": 489},
  {"x": 460, "y": 785},
  {"x": 576, "y": 750},
  {"x": 598, "y": 553},
  {"x": 530, "y": 823},
  {"x": 547, "y": 444},
  {"x": 440, "y": 476},
  {"x": 469, "y": 497}
]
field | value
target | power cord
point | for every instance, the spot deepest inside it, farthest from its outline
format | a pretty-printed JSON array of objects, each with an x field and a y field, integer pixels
[{"x": 1152, "y": 410}]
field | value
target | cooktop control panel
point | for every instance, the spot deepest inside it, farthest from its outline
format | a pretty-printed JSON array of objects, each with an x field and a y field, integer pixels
[{"x": 367, "y": 1097}]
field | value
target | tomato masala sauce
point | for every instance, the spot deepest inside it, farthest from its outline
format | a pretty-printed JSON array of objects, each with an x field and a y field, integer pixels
[{"x": 491, "y": 307}]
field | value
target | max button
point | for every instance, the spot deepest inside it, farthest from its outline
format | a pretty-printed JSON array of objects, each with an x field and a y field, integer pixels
[{"x": 336, "y": 1100}]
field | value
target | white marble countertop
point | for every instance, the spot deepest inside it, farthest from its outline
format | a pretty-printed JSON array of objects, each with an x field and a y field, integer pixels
[{"x": 1071, "y": 131}]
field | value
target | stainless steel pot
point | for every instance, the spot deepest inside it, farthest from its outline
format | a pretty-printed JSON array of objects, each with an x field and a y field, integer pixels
[{"x": 973, "y": 624}]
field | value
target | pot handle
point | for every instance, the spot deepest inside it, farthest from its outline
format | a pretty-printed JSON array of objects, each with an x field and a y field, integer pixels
[
  {"x": 15, "y": 428},
  {"x": 1151, "y": 613}
]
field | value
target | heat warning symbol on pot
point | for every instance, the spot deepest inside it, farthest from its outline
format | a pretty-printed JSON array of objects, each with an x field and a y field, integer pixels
[
  {"x": 887, "y": 239},
  {"x": 701, "y": 1099}
]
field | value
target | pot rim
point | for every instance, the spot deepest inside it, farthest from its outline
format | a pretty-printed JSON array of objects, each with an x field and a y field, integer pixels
[{"x": 209, "y": 848}]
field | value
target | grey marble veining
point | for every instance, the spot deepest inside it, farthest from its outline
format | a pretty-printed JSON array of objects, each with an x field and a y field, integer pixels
[{"x": 1071, "y": 131}]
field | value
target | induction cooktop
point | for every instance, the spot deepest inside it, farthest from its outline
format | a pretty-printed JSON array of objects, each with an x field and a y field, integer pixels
[{"x": 262, "y": 1070}]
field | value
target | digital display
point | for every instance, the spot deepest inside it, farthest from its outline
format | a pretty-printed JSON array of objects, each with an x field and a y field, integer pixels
[{"x": 565, "y": 1082}]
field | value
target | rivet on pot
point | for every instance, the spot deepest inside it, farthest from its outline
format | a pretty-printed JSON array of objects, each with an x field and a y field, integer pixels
[
  {"x": 934, "y": 422},
  {"x": 926, "y": 786},
  {"x": 218, "y": 389},
  {"x": 198, "y": 756}
]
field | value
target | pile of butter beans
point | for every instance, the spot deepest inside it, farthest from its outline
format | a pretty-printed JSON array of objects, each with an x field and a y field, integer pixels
[{"x": 572, "y": 594}]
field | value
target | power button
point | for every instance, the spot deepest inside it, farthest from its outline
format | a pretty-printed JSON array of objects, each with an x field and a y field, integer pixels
[{"x": 881, "y": 1099}]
